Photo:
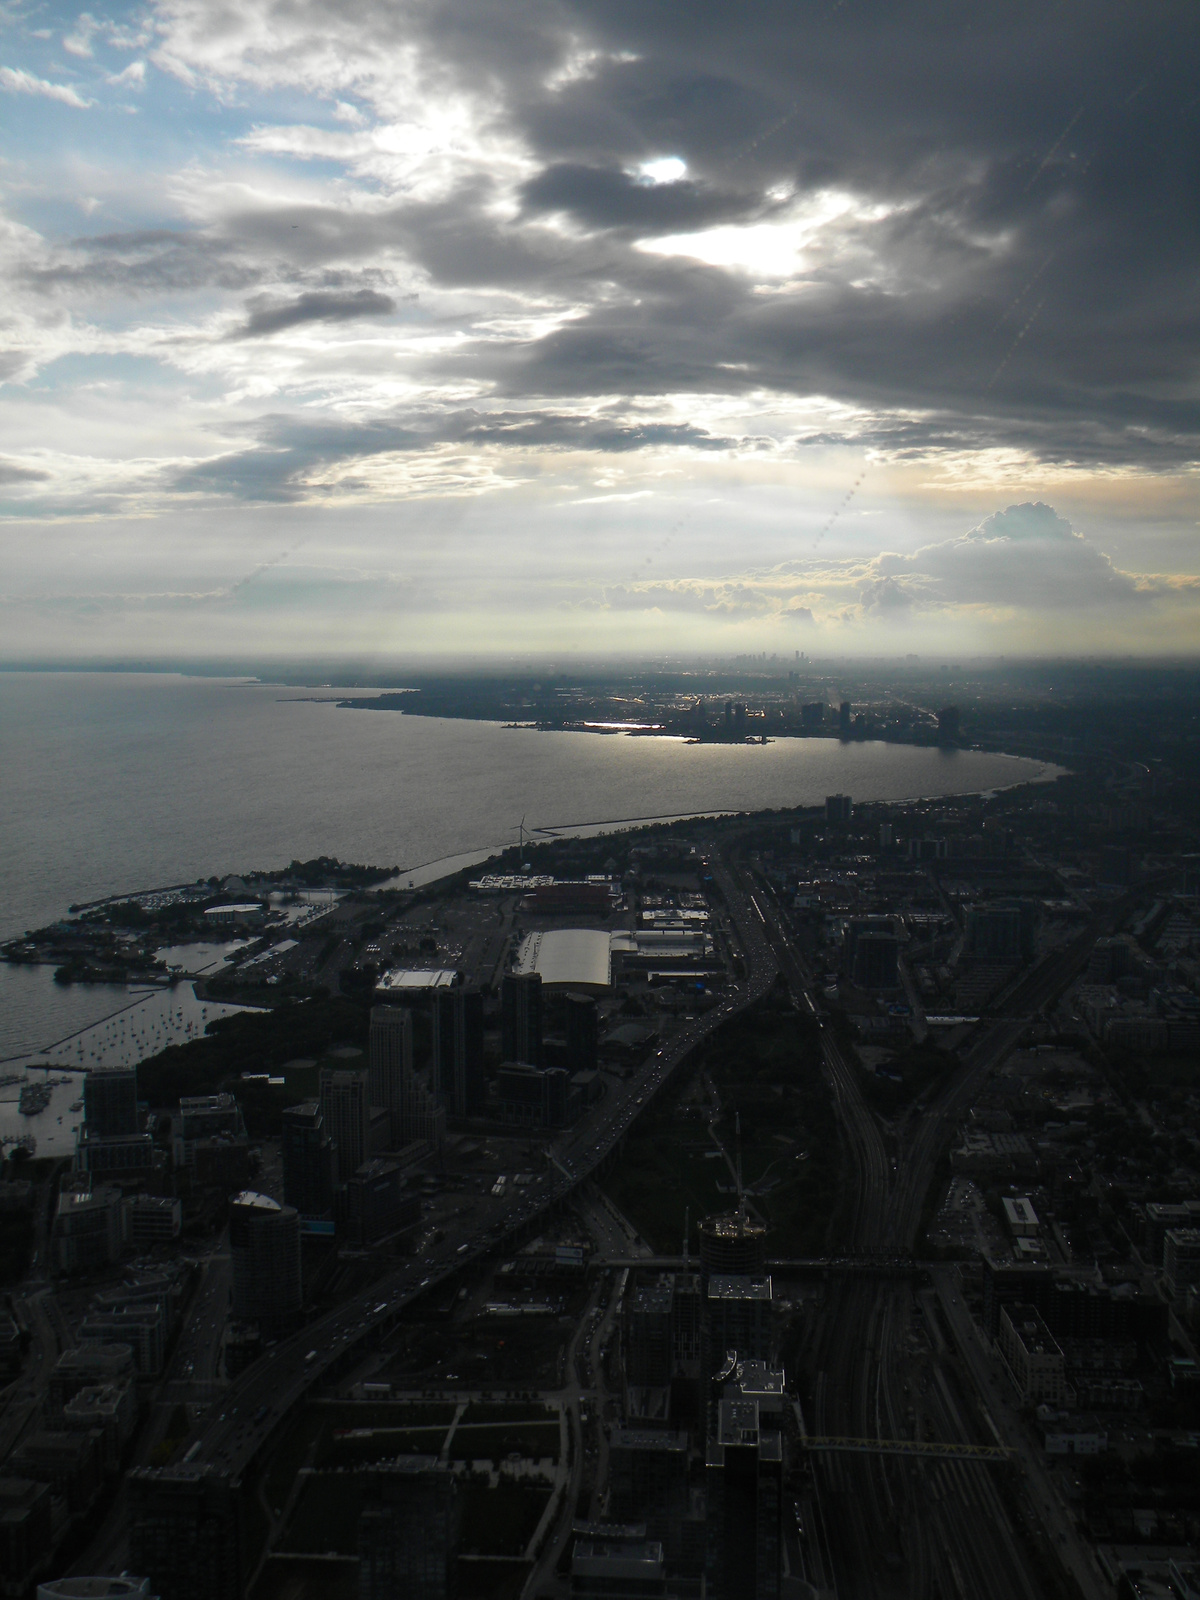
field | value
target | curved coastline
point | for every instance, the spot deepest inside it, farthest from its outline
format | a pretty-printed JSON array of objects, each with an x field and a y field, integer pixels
[
  {"x": 123, "y": 780},
  {"x": 427, "y": 872}
]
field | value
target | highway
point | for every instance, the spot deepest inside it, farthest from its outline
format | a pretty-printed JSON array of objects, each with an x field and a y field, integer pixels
[{"x": 584, "y": 1402}]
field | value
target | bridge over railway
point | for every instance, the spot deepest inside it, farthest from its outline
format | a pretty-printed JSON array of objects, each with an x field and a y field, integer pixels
[
  {"x": 929, "y": 1449},
  {"x": 867, "y": 1265}
]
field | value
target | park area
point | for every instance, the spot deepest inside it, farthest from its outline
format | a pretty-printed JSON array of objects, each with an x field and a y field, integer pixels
[{"x": 504, "y": 1454}]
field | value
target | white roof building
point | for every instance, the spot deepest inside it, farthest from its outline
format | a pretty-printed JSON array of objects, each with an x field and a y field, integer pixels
[
  {"x": 568, "y": 958},
  {"x": 403, "y": 980}
]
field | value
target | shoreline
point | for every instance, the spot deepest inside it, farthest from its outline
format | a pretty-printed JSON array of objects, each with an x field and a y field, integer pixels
[
  {"x": 426, "y": 874},
  {"x": 422, "y": 874},
  {"x": 1051, "y": 772}
]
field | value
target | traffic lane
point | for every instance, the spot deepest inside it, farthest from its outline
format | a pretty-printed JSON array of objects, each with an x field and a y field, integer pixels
[{"x": 198, "y": 1347}]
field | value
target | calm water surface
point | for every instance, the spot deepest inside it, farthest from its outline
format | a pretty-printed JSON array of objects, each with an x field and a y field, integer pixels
[{"x": 115, "y": 782}]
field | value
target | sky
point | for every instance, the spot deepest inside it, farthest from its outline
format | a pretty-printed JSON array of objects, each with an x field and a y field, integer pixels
[{"x": 440, "y": 327}]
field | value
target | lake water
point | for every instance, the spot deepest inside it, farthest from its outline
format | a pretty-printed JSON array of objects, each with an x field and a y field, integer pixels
[
  {"x": 113, "y": 782},
  {"x": 92, "y": 1024}
]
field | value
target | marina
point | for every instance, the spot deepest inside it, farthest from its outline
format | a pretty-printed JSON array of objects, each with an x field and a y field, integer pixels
[
  {"x": 152, "y": 1022},
  {"x": 41, "y": 1116},
  {"x": 114, "y": 1024}
]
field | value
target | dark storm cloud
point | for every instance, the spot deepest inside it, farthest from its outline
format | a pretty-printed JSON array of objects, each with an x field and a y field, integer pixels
[
  {"x": 650, "y": 105},
  {"x": 290, "y": 450},
  {"x": 1034, "y": 275},
  {"x": 605, "y": 197},
  {"x": 325, "y": 247},
  {"x": 1065, "y": 394},
  {"x": 1018, "y": 269},
  {"x": 267, "y": 316},
  {"x": 574, "y": 433},
  {"x": 872, "y": 92},
  {"x": 282, "y": 246}
]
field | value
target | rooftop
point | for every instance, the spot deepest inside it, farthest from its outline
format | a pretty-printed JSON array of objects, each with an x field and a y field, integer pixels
[
  {"x": 734, "y": 1286},
  {"x": 732, "y": 1226},
  {"x": 653, "y": 1297},
  {"x": 757, "y": 1381},
  {"x": 738, "y": 1423},
  {"x": 617, "y": 1558},
  {"x": 1031, "y": 1330},
  {"x": 567, "y": 958},
  {"x": 260, "y": 1202},
  {"x": 648, "y": 1439},
  {"x": 404, "y": 980}
]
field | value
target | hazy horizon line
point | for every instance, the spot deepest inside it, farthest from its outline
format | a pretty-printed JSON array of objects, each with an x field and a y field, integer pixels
[{"x": 550, "y": 661}]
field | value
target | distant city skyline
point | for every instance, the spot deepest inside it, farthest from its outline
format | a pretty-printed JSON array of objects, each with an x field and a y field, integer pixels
[{"x": 568, "y": 328}]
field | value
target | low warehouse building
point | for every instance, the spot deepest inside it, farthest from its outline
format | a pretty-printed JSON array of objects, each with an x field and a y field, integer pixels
[{"x": 568, "y": 958}]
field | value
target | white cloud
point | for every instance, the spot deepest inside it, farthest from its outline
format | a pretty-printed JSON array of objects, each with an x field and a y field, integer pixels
[
  {"x": 309, "y": 143},
  {"x": 1026, "y": 556},
  {"x": 79, "y": 43},
  {"x": 134, "y": 75},
  {"x": 605, "y": 499},
  {"x": 1023, "y": 562},
  {"x": 17, "y": 81}
]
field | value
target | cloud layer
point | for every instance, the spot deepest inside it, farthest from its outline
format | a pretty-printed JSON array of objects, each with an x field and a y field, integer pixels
[
  {"x": 296, "y": 258},
  {"x": 1025, "y": 560}
]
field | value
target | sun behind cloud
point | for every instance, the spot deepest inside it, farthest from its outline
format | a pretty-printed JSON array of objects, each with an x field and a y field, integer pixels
[{"x": 522, "y": 296}]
